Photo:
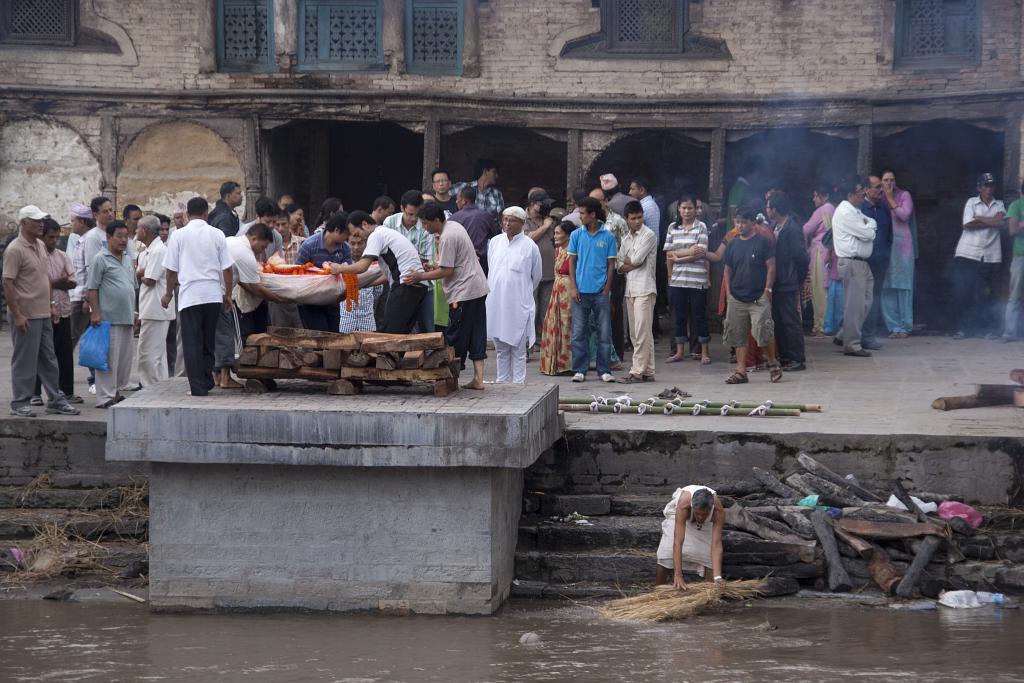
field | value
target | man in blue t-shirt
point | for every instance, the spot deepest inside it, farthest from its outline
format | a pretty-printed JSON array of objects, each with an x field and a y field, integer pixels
[{"x": 592, "y": 258}]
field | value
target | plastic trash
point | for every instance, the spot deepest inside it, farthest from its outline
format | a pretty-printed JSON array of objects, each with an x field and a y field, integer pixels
[
  {"x": 991, "y": 598},
  {"x": 959, "y": 599},
  {"x": 809, "y": 501},
  {"x": 94, "y": 347},
  {"x": 950, "y": 508},
  {"x": 894, "y": 502}
]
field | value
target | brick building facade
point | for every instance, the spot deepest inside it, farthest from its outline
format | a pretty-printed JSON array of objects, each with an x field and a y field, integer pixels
[{"x": 151, "y": 101}]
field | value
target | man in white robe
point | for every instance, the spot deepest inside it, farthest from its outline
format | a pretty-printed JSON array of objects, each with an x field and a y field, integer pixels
[{"x": 514, "y": 265}]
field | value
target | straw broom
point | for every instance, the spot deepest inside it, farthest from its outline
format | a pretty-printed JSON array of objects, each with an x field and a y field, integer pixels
[{"x": 666, "y": 603}]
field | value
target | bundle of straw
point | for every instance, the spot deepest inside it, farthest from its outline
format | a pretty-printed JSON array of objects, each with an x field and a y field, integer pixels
[{"x": 666, "y": 603}]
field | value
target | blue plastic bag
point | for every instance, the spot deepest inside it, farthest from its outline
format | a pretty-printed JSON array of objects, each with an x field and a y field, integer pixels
[{"x": 94, "y": 347}]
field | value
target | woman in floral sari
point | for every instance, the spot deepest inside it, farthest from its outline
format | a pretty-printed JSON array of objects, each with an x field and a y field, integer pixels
[
  {"x": 556, "y": 337},
  {"x": 898, "y": 290},
  {"x": 815, "y": 228}
]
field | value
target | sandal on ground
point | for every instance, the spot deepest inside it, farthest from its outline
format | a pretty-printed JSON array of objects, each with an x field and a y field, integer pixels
[
  {"x": 776, "y": 373},
  {"x": 675, "y": 359},
  {"x": 737, "y": 378},
  {"x": 705, "y": 360}
]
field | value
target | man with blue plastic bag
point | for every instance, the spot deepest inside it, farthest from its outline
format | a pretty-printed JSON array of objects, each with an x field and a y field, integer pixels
[
  {"x": 111, "y": 291},
  {"x": 27, "y": 291}
]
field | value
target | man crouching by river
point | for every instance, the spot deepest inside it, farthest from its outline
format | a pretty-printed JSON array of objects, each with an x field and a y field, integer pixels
[{"x": 691, "y": 536}]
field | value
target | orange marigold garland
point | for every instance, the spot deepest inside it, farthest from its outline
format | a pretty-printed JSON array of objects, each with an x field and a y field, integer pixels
[{"x": 351, "y": 290}]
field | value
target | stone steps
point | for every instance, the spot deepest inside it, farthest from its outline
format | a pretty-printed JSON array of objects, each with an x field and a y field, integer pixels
[
  {"x": 68, "y": 499},
  {"x": 25, "y": 523}
]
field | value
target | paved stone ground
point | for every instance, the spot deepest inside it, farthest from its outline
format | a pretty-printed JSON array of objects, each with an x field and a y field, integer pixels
[{"x": 890, "y": 393}]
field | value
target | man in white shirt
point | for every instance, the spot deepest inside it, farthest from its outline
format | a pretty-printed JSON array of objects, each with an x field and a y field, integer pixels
[
  {"x": 638, "y": 261},
  {"x": 154, "y": 319},
  {"x": 247, "y": 295},
  {"x": 853, "y": 235},
  {"x": 977, "y": 258},
  {"x": 197, "y": 258},
  {"x": 398, "y": 259},
  {"x": 513, "y": 273},
  {"x": 91, "y": 244}
]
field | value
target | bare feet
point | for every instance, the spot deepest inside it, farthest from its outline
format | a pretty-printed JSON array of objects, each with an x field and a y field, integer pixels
[
  {"x": 705, "y": 360},
  {"x": 229, "y": 383},
  {"x": 474, "y": 386}
]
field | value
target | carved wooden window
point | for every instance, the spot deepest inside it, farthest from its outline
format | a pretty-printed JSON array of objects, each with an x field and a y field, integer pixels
[
  {"x": 433, "y": 36},
  {"x": 341, "y": 34},
  {"x": 45, "y": 22},
  {"x": 245, "y": 35},
  {"x": 644, "y": 26},
  {"x": 938, "y": 32}
]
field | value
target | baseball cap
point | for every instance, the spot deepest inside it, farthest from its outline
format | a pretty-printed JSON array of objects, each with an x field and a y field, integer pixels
[
  {"x": 33, "y": 212},
  {"x": 986, "y": 179}
]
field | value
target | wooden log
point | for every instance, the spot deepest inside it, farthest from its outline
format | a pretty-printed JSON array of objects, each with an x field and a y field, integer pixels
[
  {"x": 278, "y": 373},
  {"x": 290, "y": 359},
  {"x": 878, "y": 530},
  {"x": 304, "y": 339},
  {"x": 966, "y": 402},
  {"x": 798, "y": 522},
  {"x": 921, "y": 560},
  {"x": 269, "y": 358},
  {"x": 960, "y": 526},
  {"x": 797, "y": 571},
  {"x": 738, "y": 518},
  {"x": 879, "y": 513},
  {"x": 409, "y": 342},
  {"x": 741, "y": 542},
  {"x": 883, "y": 571},
  {"x": 901, "y": 494},
  {"x": 333, "y": 359},
  {"x": 412, "y": 360},
  {"x": 435, "y": 358},
  {"x": 1003, "y": 392},
  {"x": 357, "y": 359},
  {"x": 387, "y": 361},
  {"x": 342, "y": 387},
  {"x": 774, "y": 484},
  {"x": 816, "y": 468},
  {"x": 445, "y": 387},
  {"x": 374, "y": 374},
  {"x": 859, "y": 545},
  {"x": 840, "y": 496},
  {"x": 250, "y": 356},
  {"x": 838, "y": 579},
  {"x": 314, "y": 359}
]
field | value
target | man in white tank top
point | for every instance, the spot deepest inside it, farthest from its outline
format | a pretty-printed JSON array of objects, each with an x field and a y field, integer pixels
[{"x": 691, "y": 536}]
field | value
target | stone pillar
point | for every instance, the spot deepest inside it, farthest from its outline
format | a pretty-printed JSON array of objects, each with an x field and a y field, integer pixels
[
  {"x": 471, "y": 40},
  {"x": 574, "y": 162},
  {"x": 286, "y": 33},
  {"x": 431, "y": 149},
  {"x": 865, "y": 149},
  {"x": 108, "y": 157},
  {"x": 394, "y": 34},
  {"x": 716, "y": 181},
  {"x": 1012, "y": 160},
  {"x": 252, "y": 170}
]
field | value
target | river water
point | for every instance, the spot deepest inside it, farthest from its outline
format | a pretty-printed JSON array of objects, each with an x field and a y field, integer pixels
[{"x": 811, "y": 641}]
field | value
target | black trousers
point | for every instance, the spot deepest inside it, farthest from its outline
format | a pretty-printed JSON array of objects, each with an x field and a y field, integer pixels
[
  {"x": 618, "y": 324},
  {"x": 172, "y": 347},
  {"x": 64, "y": 349},
  {"x": 198, "y": 340},
  {"x": 321, "y": 318},
  {"x": 875, "y": 323},
  {"x": 467, "y": 329},
  {"x": 402, "y": 308},
  {"x": 789, "y": 331}
]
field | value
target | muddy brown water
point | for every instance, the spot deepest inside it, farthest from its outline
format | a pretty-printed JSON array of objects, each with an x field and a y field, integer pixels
[{"x": 45, "y": 641}]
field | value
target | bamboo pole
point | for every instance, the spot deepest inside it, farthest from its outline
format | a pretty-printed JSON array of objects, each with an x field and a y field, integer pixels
[
  {"x": 660, "y": 403},
  {"x": 684, "y": 410}
]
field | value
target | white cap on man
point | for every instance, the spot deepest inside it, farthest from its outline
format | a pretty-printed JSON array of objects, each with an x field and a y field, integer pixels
[
  {"x": 33, "y": 212},
  {"x": 515, "y": 212}
]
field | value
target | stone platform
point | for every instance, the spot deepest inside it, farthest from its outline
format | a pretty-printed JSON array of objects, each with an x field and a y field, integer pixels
[{"x": 300, "y": 500}]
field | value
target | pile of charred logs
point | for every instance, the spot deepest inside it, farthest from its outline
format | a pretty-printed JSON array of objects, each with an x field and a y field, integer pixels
[{"x": 850, "y": 540}]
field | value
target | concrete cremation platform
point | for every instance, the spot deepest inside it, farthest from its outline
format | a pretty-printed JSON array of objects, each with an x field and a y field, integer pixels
[{"x": 300, "y": 500}]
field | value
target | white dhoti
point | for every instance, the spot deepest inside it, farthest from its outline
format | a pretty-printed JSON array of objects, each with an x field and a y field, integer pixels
[{"x": 696, "y": 551}]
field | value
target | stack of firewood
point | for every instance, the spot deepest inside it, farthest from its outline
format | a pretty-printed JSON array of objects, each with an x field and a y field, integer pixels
[
  {"x": 348, "y": 361},
  {"x": 858, "y": 542}
]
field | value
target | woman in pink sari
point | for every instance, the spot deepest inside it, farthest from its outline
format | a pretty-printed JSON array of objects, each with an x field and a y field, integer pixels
[
  {"x": 898, "y": 290},
  {"x": 815, "y": 228}
]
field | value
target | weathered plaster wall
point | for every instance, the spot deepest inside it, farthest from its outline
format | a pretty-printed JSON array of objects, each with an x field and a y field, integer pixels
[
  {"x": 46, "y": 164},
  {"x": 172, "y": 162}
]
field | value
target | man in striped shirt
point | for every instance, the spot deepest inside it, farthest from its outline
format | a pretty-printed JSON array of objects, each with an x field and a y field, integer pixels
[{"x": 686, "y": 245}]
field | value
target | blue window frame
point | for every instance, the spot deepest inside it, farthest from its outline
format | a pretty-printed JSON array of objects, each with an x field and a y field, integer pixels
[
  {"x": 434, "y": 36},
  {"x": 245, "y": 35},
  {"x": 938, "y": 33},
  {"x": 338, "y": 35}
]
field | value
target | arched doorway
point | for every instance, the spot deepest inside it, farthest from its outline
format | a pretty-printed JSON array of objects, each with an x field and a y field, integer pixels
[
  {"x": 172, "y": 162},
  {"x": 938, "y": 163},
  {"x": 525, "y": 159},
  {"x": 355, "y": 161}
]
